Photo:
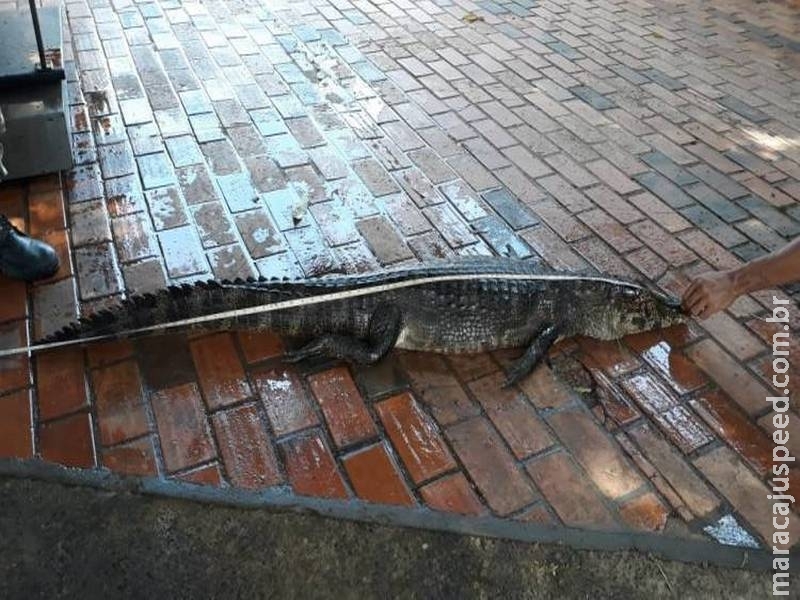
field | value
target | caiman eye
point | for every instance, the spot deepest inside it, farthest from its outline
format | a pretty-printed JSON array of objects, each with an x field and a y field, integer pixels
[{"x": 630, "y": 292}]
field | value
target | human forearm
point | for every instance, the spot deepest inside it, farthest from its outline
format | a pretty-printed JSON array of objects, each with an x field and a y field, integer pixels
[
  {"x": 712, "y": 292},
  {"x": 778, "y": 268}
]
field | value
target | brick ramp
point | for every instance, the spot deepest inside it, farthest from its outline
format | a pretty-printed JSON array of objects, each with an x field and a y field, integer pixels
[{"x": 633, "y": 139}]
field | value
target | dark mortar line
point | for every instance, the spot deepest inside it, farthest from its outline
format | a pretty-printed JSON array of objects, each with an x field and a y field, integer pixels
[{"x": 670, "y": 548}]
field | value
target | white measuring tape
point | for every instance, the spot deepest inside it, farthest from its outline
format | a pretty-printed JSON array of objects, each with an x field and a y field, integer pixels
[{"x": 306, "y": 301}]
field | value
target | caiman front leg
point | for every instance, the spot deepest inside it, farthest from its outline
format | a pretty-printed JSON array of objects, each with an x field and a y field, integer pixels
[
  {"x": 535, "y": 352},
  {"x": 384, "y": 328}
]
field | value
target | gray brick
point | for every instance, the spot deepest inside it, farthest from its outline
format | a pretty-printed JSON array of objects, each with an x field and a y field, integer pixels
[
  {"x": 664, "y": 189},
  {"x": 664, "y": 80},
  {"x": 761, "y": 234},
  {"x": 713, "y": 226},
  {"x": 725, "y": 185},
  {"x": 449, "y": 225},
  {"x": 715, "y": 202},
  {"x": 501, "y": 237},
  {"x": 667, "y": 167},
  {"x": 516, "y": 214},
  {"x": 593, "y": 98},
  {"x": 743, "y": 109},
  {"x": 763, "y": 211}
]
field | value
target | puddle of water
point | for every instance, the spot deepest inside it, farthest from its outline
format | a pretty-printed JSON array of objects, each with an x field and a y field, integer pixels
[{"x": 728, "y": 531}]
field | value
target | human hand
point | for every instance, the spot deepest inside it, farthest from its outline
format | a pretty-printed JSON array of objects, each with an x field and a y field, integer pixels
[{"x": 708, "y": 294}]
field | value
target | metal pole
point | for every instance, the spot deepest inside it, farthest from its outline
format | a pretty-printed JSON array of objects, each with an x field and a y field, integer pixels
[{"x": 38, "y": 33}]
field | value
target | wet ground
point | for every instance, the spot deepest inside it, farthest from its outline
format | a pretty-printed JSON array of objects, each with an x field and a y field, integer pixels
[{"x": 231, "y": 138}]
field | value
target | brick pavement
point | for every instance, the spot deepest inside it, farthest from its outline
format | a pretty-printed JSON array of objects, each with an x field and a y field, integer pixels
[{"x": 226, "y": 138}]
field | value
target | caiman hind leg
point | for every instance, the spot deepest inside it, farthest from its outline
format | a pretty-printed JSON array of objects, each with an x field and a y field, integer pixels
[
  {"x": 535, "y": 352},
  {"x": 384, "y": 328}
]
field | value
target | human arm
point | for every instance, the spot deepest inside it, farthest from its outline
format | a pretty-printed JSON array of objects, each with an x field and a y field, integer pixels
[{"x": 712, "y": 292}]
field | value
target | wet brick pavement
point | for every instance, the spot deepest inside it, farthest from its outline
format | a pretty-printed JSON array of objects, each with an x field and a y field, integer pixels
[{"x": 227, "y": 139}]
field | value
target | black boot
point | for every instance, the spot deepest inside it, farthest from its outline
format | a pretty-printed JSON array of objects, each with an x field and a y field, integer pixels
[{"x": 22, "y": 257}]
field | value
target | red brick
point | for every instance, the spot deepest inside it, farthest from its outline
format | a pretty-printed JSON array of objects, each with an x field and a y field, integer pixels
[
  {"x": 452, "y": 493},
  {"x": 16, "y": 433},
  {"x": 12, "y": 203},
  {"x": 544, "y": 390},
  {"x": 100, "y": 354},
  {"x": 672, "y": 364},
  {"x": 219, "y": 370},
  {"x": 661, "y": 213},
  {"x": 604, "y": 258},
  {"x": 472, "y": 366},
  {"x": 311, "y": 467},
  {"x": 119, "y": 399},
  {"x": 729, "y": 375},
  {"x": 732, "y": 336},
  {"x": 610, "y": 356},
  {"x": 649, "y": 470},
  {"x": 246, "y": 448},
  {"x": 646, "y": 512},
  {"x": 793, "y": 428},
  {"x": 132, "y": 458},
  {"x": 613, "y": 400},
  {"x": 597, "y": 454},
  {"x": 764, "y": 367},
  {"x": 415, "y": 438},
  {"x": 670, "y": 465},
  {"x": 182, "y": 427},
  {"x": 612, "y": 232},
  {"x": 344, "y": 409},
  {"x": 744, "y": 491},
  {"x": 437, "y": 387},
  {"x": 712, "y": 252},
  {"x": 491, "y": 466},
  {"x": 515, "y": 419},
  {"x": 664, "y": 407},
  {"x": 648, "y": 264},
  {"x": 768, "y": 192},
  {"x": 555, "y": 251},
  {"x": 375, "y": 477},
  {"x": 205, "y": 475},
  {"x": 60, "y": 382},
  {"x": 616, "y": 179},
  {"x": 569, "y": 491},
  {"x": 615, "y": 205},
  {"x": 678, "y": 336},
  {"x": 734, "y": 427},
  {"x": 560, "y": 221},
  {"x": 766, "y": 331},
  {"x": 15, "y": 300},
  {"x": 662, "y": 243},
  {"x": 288, "y": 407},
  {"x": 46, "y": 209},
  {"x": 537, "y": 514},
  {"x": 14, "y": 371},
  {"x": 260, "y": 345},
  {"x": 59, "y": 240},
  {"x": 68, "y": 441}
]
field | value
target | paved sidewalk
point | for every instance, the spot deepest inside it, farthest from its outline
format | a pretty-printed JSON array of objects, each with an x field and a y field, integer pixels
[{"x": 640, "y": 139}]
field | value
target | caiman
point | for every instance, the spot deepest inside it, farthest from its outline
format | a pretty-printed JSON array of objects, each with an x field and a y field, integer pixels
[{"x": 460, "y": 306}]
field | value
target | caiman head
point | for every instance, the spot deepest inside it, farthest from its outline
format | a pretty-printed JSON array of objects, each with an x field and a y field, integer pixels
[{"x": 625, "y": 308}]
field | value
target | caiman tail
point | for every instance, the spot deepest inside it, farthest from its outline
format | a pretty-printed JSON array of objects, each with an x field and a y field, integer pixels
[{"x": 202, "y": 305}]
